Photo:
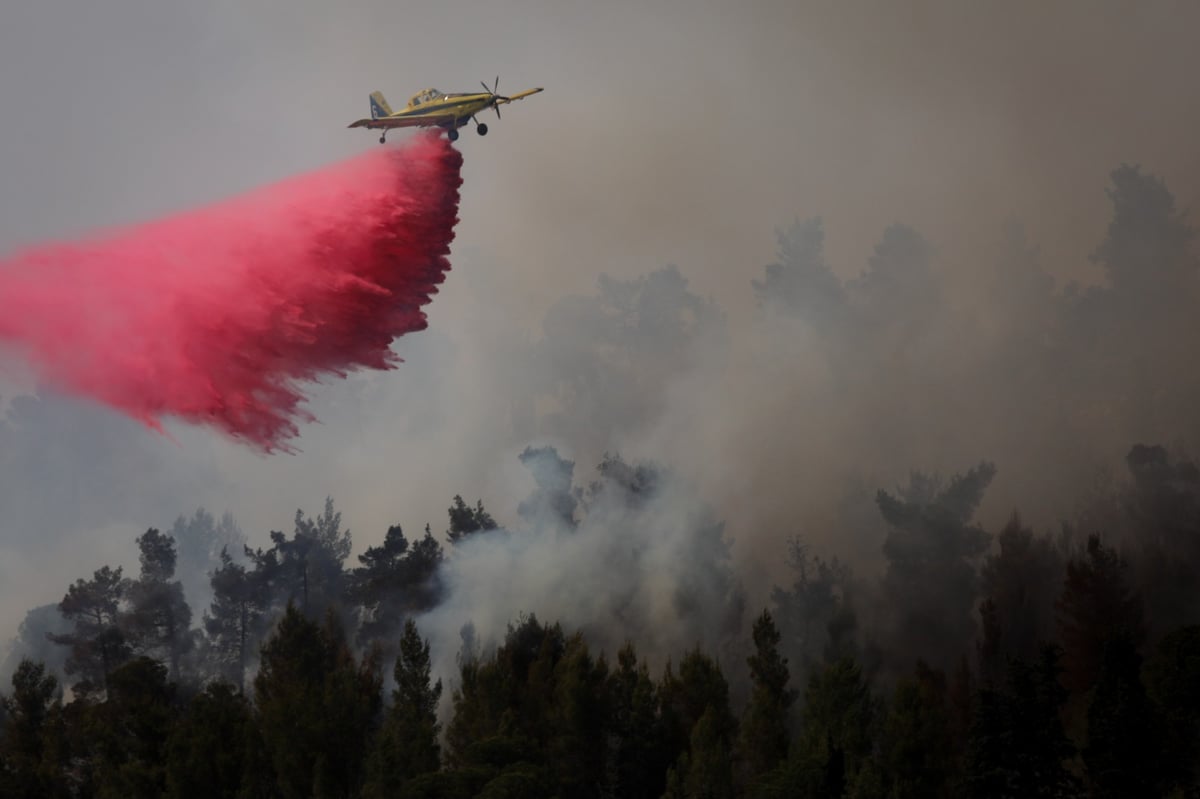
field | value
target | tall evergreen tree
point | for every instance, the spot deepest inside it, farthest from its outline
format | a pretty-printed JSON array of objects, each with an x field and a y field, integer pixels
[
  {"x": 1020, "y": 583},
  {"x": 1124, "y": 746},
  {"x": 800, "y": 283},
  {"x": 29, "y": 765},
  {"x": 465, "y": 520},
  {"x": 1096, "y": 606},
  {"x": 394, "y": 581},
  {"x": 97, "y": 643},
  {"x": 764, "y": 737},
  {"x": 207, "y": 752},
  {"x": 128, "y": 732},
  {"x": 407, "y": 745},
  {"x": 1017, "y": 746},
  {"x": 159, "y": 619},
  {"x": 234, "y": 620},
  {"x": 636, "y": 765},
  {"x": 317, "y": 707},
  {"x": 932, "y": 548}
]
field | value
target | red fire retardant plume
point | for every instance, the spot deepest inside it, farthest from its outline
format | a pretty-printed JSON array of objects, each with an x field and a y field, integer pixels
[{"x": 215, "y": 316}]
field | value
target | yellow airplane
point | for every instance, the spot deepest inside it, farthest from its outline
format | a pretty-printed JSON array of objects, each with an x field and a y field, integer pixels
[{"x": 431, "y": 108}]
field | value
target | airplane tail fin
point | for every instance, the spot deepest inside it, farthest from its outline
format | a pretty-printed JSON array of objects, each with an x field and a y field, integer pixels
[{"x": 379, "y": 106}]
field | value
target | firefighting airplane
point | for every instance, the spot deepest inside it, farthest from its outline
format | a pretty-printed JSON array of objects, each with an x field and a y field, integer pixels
[{"x": 431, "y": 108}]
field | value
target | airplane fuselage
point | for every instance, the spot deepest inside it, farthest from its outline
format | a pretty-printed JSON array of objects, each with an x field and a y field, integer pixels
[{"x": 461, "y": 106}]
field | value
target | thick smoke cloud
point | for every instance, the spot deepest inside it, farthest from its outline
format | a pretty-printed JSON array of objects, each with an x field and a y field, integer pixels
[{"x": 957, "y": 158}]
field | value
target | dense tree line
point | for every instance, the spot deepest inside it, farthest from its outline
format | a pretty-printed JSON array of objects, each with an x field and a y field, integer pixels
[
  {"x": 978, "y": 662},
  {"x": 1028, "y": 669}
]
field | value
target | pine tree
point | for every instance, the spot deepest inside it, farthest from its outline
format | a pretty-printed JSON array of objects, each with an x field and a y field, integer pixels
[
  {"x": 764, "y": 737},
  {"x": 1096, "y": 606},
  {"x": 1123, "y": 751},
  {"x": 28, "y": 766},
  {"x": 97, "y": 643},
  {"x": 159, "y": 619},
  {"x": 407, "y": 745},
  {"x": 465, "y": 520},
  {"x": 317, "y": 707},
  {"x": 207, "y": 751},
  {"x": 636, "y": 764},
  {"x": 233, "y": 620}
]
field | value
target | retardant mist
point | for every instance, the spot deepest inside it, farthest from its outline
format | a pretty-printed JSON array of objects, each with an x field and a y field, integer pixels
[{"x": 217, "y": 316}]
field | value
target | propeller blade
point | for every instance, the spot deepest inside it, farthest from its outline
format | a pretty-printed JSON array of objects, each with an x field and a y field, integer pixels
[
  {"x": 485, "y": 87},
  {"x": 497, "y": 86}
]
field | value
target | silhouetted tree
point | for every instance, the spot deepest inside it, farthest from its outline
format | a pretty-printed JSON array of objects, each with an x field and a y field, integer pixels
[
  {"x": 29, "y": 760},
  {"x": 764, "y": 730},
  {"x": 465, "y": 520},
  {"x": 128, "y": 732},
  {"x": 1017, "y": 746},
  {"x": 1096, "y": 606},
  {"x": 1123, "y": 751},
  {"x": 699, "y": 687},
  {"x": 1020, "y": 583},
  {"x": 815, "y": 610},
  {"x": 1172, "y": 677},
  {"x": 919, "y": 753},
  {"x": 158, "y": 623},
  {"x": 207, "y": 753},
  {"x": 636, "y": 763},
  {"x": 931, "y": 549},
  {"x": 234, "y": 620},
  {"x": 394, "y": 581},
  {"x": 800, "y": 283},
  {"x": 97, "y": 644},
  {"x": 317, "y": 707},
  {"x": 407, "y": 745}
]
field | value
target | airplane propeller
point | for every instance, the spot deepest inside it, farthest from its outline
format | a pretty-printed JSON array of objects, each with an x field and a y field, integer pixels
[{"x": 495, "y": 97}]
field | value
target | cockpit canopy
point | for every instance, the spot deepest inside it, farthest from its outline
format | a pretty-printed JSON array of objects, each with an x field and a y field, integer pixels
[{"x": 424, "y": 96}]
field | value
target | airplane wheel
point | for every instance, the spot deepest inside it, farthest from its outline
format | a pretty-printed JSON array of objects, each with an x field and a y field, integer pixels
[
  {"x": 482, "y": 128},
  {"x": 382, "y": 140},
  {"x": 452, "y": 134}
]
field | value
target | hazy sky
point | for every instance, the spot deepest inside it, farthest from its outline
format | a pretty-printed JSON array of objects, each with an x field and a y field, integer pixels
[{"x": 670, "y": 132}]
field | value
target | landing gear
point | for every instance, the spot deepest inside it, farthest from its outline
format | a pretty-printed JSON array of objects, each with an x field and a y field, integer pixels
[
  {"x": 481, "y": 128},
  {"x": 383, "y": 137},
  {"x": 452, "y": 134}
]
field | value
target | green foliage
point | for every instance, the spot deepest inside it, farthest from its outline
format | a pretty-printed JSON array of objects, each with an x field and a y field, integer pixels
[
  {"x": 1096, "y": 607},
  {"x": 158, "y": 622},
  {"x": 1021, "y": 583},
  {"x": 317, "y": 707},
  {"x": 208, "y": 749},
  {"x": 234, "y": 620},
  {"x": 636, "y": 763},
  {"x": 393, "y": 582},
  {"x": 918, "y": 749},
  {"x": 30, "y": 749},
  {"x": 816, "y": 622},
  {"x": 127, "y": 733},
  {"x": 465, "y": 520},
  {"x": 764, "y": 737},
  {"x": 1017, "y": 745},
  {"x": 407, "y": 745},
  {"x": 97, "y": 643},
  {"x": 931, "y": 549}
]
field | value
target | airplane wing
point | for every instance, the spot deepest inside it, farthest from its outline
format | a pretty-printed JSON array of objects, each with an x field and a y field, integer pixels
[
  {"x": 400, "y": 122},
  {"x": 518, "y": 95}
]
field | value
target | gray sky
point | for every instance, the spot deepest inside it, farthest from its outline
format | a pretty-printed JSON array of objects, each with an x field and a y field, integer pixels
[{"x": 670, "y": 132}]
